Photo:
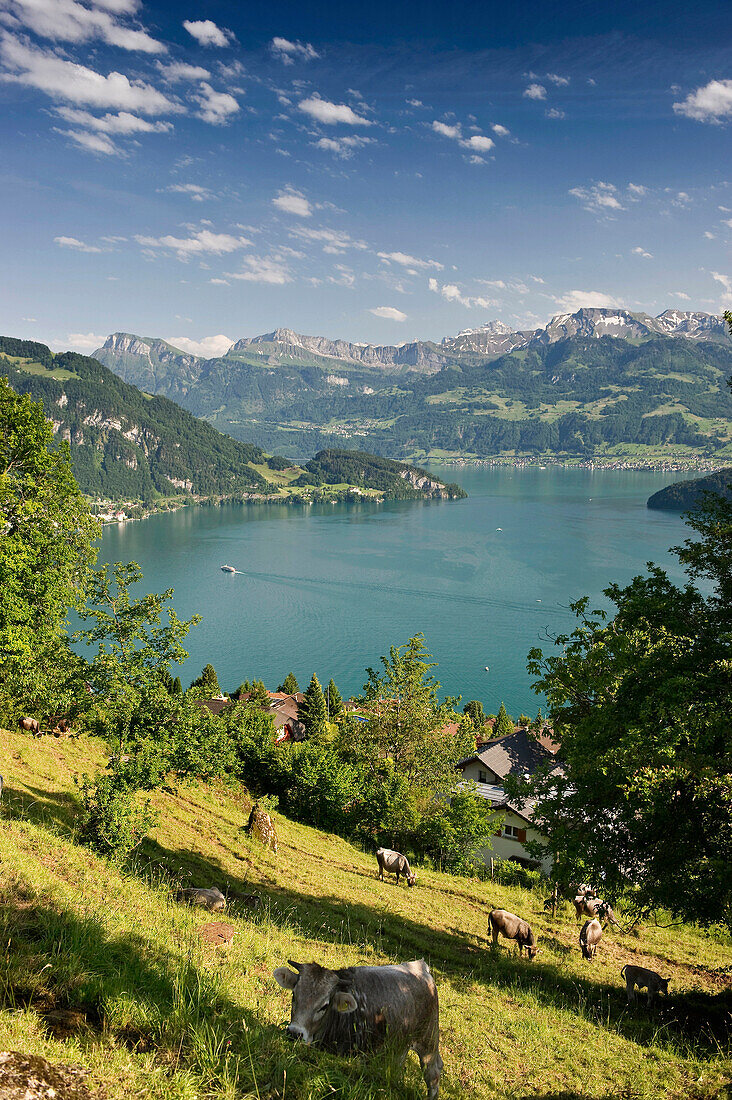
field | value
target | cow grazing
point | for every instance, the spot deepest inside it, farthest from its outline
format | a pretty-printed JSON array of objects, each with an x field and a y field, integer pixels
[
  {"x": 589, "y": 938},
  {"x": 362, "y": 1007},
  {"x": 396, "y": 864},
  {"x": 513, "y": 928},
  {"x": 588, "y": 905},
  {"x": 649, "y": 980},
  {"x": 211, "y": 898},
  {"x": 30, "y": 725}
]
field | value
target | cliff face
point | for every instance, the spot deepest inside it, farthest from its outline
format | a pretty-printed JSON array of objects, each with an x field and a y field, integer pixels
[
  {"x": 151, "y": 365},
  {"x": 285, "y": 342}
]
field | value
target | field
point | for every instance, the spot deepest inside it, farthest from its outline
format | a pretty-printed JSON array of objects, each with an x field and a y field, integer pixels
[{"x": 102, "y": 968}]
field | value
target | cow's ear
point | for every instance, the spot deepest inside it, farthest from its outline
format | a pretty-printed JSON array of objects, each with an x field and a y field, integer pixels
[
  {"x": 284, "y": 977},
  {"x": 344, "y": 1002}
]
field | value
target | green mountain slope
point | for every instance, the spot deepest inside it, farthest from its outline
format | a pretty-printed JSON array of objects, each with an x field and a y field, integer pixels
[
  {"x": 125, "y": 443},
  {"x": 578, "y": 395},
  {"x": 683, "y": 495},
  {"x": 103, "y": 968}
]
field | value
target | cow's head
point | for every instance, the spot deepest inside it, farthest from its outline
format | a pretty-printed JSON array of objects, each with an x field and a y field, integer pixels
[
  {"x": 411, "y": 878},
  {"x": 314, "y": 992},
  {"x": 532, "y": 950}
]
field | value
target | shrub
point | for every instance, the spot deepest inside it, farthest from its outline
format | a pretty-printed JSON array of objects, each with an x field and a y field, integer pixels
[{"x": 113, "y": 822}]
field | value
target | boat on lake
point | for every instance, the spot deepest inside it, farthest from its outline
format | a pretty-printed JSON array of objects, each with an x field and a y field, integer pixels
[{"x": 228, "y": 569}]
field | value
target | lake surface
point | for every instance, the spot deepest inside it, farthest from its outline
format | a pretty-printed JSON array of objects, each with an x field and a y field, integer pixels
[{"x": 330, "y": 588}]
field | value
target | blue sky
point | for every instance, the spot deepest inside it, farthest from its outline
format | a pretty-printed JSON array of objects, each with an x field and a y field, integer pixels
[{"x": 207, "y": 171}]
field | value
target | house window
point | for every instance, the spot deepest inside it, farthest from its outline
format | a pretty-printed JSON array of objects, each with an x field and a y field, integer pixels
[
  {"x": 514, "y": 832},
  {"x": 482, "y": 777}
]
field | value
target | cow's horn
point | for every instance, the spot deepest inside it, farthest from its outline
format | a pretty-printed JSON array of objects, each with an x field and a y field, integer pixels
[{"x": 296, "y": 966}]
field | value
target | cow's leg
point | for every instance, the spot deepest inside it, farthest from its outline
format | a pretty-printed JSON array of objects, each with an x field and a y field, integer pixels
[
  {"x": 431, "y": 1064},
  {"x": 494, "y": 933},
  {"x": 381, "y": 872}
]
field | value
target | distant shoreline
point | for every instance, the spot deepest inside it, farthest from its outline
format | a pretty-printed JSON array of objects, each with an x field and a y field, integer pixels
[{"x": 678, "y": 466}]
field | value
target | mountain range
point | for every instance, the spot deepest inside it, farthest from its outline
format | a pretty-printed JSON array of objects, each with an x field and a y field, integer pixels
[{"x": 598, "y": 382}]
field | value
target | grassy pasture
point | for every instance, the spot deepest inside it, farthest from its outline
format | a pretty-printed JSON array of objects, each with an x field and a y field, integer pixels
[{"x": 163, "y": 1017}]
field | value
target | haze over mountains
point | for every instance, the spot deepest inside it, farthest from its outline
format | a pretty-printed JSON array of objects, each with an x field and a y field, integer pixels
[{"x": 596, "y": 383}]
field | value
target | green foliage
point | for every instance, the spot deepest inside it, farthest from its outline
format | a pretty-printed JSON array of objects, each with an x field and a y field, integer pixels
[
  {"x": 504, "y": 723},
  {"x": 641, "y": 705},
  {"x": 259, "y": 694},
  {"x": 105, "y": 462},
  {"x": 46, "y": 535},
  {"x": 313, "y": 711},
  {"x": 474, "y": 712},
  {"x": 206, "y": 685},
  {"x": 113, "y": 821},
  {"x": 453, "y": 832},
  {"x": 333, "y": 700},
  {"x": 370, "y": 471},
  {"x": 682, "y": 496},
  {"x": 289, "y": 684}
]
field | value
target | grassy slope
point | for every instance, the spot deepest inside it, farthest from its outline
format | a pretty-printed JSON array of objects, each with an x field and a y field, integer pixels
[{"x": 170, "y": 1019}]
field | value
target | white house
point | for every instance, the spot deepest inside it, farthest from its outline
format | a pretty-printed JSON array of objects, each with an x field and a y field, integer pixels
[{"x": 520, "y": 754}]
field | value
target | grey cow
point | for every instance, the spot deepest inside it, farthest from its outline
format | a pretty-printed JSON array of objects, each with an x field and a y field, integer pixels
[
  {"x": 590, "y": 906},
  {"x": 396, "y": 864},
  {"x": 513, "y": 928},
  {"x": 361, "y": 1007},
  {"x": 211, "y": 898},
  {"x": 646, "y": 979},
  {"x": 589, "y": 937}
]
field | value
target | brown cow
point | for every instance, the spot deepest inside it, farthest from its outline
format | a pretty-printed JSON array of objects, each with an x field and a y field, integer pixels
[
  {"x": 30, "y": 725},
  {"x": 589, "y": 938},
  {"x": 360, "y": 1007},
  {"x": 396, "y": 864},
  {"x": 513, "y": 928}
]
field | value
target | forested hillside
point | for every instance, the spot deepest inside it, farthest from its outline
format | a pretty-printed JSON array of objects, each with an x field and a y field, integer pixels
[
  {"x": 397, "y": 479},
  {"x": 125, "y": 443},
  {"x": 683, "y": 495},
  {"x": 577, "y": 395}
]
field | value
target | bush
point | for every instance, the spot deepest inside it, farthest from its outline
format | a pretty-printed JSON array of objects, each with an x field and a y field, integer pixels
[{"x": 112, "y": 821}]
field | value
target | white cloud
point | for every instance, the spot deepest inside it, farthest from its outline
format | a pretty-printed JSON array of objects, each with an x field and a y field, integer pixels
[
  {"x": 331, "y": 113},
  {"x": 680, "y": 294},
  {"x": 415, "y": 103},
  {"x": 709, "y": 236},
  {"x": 286, "y": 51},
  {"x": 712, "y": 103},
  {"x": 388, "y": 313},
  {"x": 447, "y": 131},
  {"x": 452, "y": 293},
  {"x": 206, "y": 33},
  {"x": 343, "y": 147},
  {"x": 500, "y": 131},
  {"x": 560, "y": 81},
  {"x": 725, "y": 301},
  {"x": 192, "y": 190},
  {"x": 122, "y": 123},
  {"x": 535, "y": 91},
  {"x": 76, "y": 244},
  {"x": 77, "y": 84},
  {"x": 479, "y": 143},
  {"x": 554, "y": 113},
  {"x": 263, "y": 269},
  {"x": 208, "y": 347},
  {"x": 405, "y": 260},
  {"x": 70, "y": 21},
  {"x": 586, "y": 299},
  {"x": 638, "y": 251},
  {"x": 179, "y": 70},
  {"x": 293, "y": 202},
  {"x": 334, "y": 241},
  {"x": 216, "y": 108},
  {"x": 637, "y": 191},
  {"x": 93, "y": 143},
  {"x": 198, "y": 244},
  {"x": 599, "y": 199},
  {"x": 84, "y": 341}
]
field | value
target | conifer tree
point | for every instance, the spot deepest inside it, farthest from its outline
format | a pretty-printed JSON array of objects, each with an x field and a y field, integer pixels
[
  {"x": 503, "y": 724},
  {"x": 206, "y": 685},
  {"x": 474, "y": 711},
  {"x": 312, "y": 710},
  {"x": 289, "y": 684},
  {"x": 333, "y": 700},
  {"x": 259, "y": 694}
]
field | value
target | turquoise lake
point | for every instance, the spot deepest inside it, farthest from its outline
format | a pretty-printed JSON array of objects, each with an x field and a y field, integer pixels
[{"x": 328, "y": 589}]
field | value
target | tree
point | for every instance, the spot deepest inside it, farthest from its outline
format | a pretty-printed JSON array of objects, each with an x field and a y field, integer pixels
[
  {"x": 312, "y": 711},
  {"x": 333, "y": 700},
  {"x": 258, "y": 694},
  {"x": 408, "y": 724},
  {"x": 503, "y": 724},
  {"x": 640, "y": 703},
  {"x": 46, "y": 536},
  {"x": 206, "y": 686},
  {"x": 474, "y": 711},
  {"x": 289, "y": 685}
]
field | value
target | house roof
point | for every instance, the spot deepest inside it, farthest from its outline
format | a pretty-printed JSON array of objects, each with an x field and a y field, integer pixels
[
  {"x": 215, "y": 705},
  {"x": 518, "y": 753}
]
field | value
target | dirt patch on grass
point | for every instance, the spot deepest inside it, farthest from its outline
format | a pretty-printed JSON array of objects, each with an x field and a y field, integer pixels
[{"x": 30, "y": 1077}]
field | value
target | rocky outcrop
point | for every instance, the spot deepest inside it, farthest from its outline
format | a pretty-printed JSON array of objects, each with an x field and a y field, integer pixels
[
  {"x": 283, "y": 342},
  {"x": 261, "y": 827}
]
